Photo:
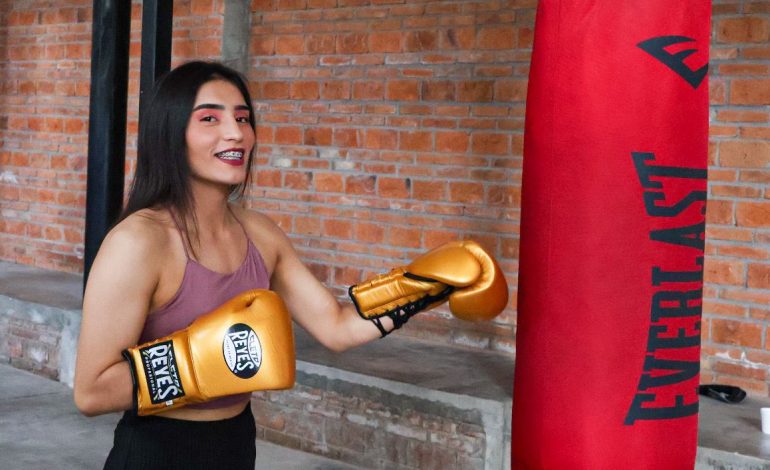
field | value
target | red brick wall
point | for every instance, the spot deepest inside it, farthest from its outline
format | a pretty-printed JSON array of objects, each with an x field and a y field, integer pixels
[
  {"x": 30, "y": 345},
  {"x": 371, "y": 427},
  {"x": 736, "y": 346},
  {"x": 45, "y": 71},
  {"x": 386, "y": 127},
  {"x": 390, "y": 127}
]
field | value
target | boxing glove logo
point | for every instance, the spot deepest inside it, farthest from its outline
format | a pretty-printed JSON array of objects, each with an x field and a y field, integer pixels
[
  {"x": 242, "y": 350},
  {"x": 161, "y": 372}
]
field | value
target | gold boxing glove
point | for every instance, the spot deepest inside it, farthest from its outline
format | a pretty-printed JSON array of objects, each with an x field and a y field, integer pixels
[
  {"x": 460, "y": 271},
  {"x": 244, "y": 345}
]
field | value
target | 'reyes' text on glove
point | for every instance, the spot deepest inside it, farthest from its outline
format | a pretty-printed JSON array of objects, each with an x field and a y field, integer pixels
[{"x": 244, "y": 345}]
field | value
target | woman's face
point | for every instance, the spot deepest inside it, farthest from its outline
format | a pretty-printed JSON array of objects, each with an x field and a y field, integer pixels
[{"x": 219, "y": 135}]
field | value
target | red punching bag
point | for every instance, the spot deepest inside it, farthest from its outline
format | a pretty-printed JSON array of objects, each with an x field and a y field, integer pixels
[{"x": 612, "y": 236}]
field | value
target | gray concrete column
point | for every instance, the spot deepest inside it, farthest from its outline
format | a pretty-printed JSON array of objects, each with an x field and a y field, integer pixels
[{"x": 235, "y": 37}]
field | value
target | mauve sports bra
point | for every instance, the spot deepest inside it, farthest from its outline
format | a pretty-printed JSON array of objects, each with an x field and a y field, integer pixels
[{"x": 202, "y": 290}]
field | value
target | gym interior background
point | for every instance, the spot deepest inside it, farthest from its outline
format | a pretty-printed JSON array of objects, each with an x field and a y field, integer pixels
[{"x": 386, "y": 127}]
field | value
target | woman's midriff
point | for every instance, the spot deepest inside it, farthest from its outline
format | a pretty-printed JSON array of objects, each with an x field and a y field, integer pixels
[{"x": 213, "y": 414}]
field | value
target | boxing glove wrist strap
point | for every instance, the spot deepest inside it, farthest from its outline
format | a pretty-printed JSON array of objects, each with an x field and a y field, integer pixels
[
  {"x": 134, "y": 382},
  {"x": 402, "y": 313}
]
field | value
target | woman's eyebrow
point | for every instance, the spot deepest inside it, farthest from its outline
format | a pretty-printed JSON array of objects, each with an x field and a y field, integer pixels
[
  {"x": 219, "y": 106},
  {"x": 208, "y": 106}
]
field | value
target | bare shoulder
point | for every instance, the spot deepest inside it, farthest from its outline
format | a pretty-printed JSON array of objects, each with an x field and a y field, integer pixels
[
  {"x": 130, "y": 261},
  {"x": 268, "y": 237},
  {"x": 257, "y": 220},
  {"x": 137, "y": 247},
  {"x": 145, "y": 232}
]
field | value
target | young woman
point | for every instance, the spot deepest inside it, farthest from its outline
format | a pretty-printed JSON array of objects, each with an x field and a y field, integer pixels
[{"x": 182, "y": 248}]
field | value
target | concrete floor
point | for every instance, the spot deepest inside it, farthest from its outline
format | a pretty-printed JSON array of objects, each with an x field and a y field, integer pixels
[
  {"x": 733, "y": 432},
  {"x": 40, "y": 429}
]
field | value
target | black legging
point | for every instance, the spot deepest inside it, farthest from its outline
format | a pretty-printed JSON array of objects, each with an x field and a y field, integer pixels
[{"x": 151, "y": 442}]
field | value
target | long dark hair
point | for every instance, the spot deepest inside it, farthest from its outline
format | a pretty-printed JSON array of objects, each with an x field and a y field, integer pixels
[{"x": 162, "y": 177}]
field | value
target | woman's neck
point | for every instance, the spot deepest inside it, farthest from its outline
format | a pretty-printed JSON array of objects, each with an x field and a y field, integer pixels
[{"x": 211, "y": 208}]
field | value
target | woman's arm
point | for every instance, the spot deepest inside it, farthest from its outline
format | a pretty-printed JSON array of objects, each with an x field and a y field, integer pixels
[
  {"x": 336, "y": 326},
  {"x": 118, "y": 294},
  {"x": 462, "y": 272}
]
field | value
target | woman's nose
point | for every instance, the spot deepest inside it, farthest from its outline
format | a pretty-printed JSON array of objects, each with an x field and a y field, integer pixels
[{"x": 232, "y": 130}]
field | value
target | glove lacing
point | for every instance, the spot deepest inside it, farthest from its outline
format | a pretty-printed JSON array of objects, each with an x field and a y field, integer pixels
[{"x": 401, "y": 314}]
